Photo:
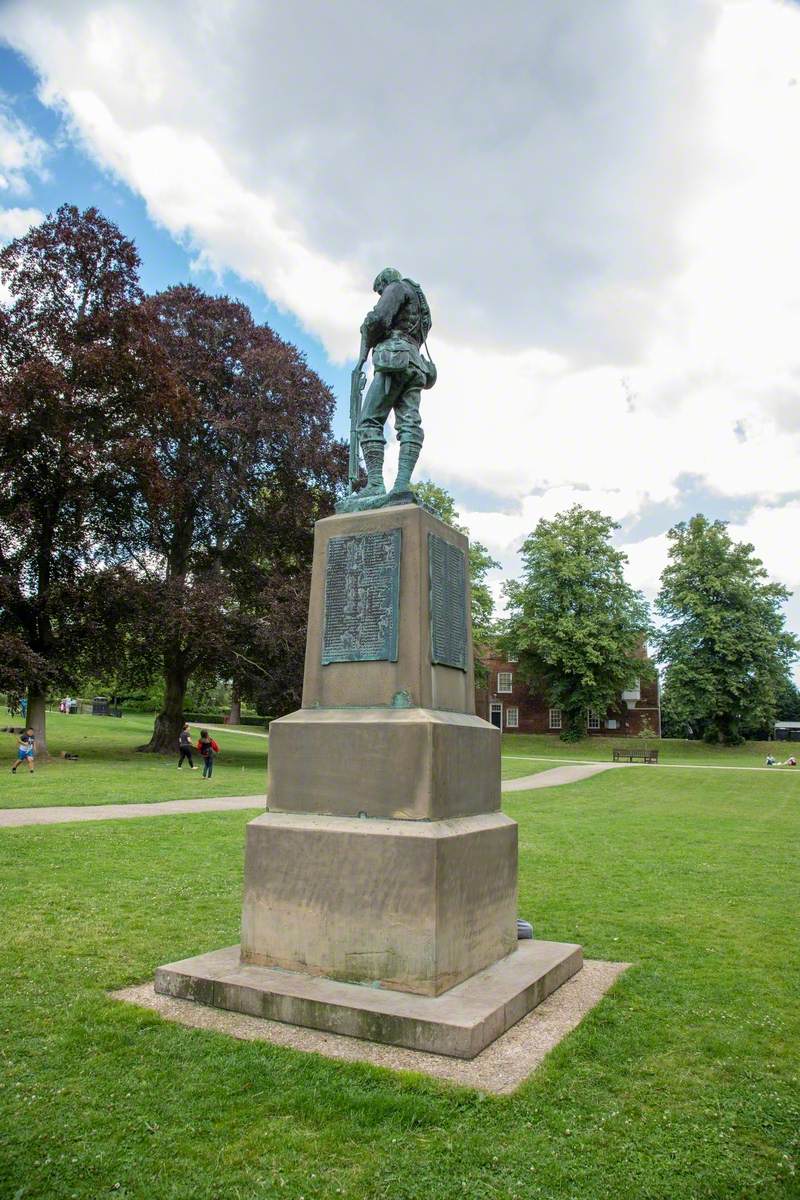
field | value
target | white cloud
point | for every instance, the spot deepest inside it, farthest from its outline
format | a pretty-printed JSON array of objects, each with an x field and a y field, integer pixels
[
  {"x": 16, "y": 221},
  {"x": 775, "y": 534},
  {"x": 602, "y": 209},
  {"x": 646, "y": 561},
  {"x": 22, "y": 152}
]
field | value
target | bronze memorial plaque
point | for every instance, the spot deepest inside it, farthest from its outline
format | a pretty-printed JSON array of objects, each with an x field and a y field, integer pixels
[
  {"x": 448, "y": 603},
  {"x": 362, "y": 586}
]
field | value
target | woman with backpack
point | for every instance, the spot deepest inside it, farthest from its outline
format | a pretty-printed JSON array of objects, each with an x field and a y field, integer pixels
[{"x": 207, "y": 748}]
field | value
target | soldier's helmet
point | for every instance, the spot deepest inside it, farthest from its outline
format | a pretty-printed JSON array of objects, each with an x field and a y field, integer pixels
[{"x": 387, "y": 275}]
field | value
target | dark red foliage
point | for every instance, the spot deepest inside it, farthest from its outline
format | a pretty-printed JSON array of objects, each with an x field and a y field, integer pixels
[
  {"x": 231, "y": 463},
  {"x": 65, "y": 365}
]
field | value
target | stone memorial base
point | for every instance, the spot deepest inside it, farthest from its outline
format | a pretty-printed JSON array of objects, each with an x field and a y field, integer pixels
[
  {"x": 460, "y": 1023},
  {"x": 380, "y": 890}
]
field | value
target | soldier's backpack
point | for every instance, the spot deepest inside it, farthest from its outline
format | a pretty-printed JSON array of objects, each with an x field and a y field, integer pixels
[{"x": 424, "y": 323}]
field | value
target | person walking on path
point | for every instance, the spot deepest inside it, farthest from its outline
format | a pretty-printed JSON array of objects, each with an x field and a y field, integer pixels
[
  {"x": 185, "y": 747},
  {"x": 207, "y": 748},
  {"x": 25, "y": 751}
]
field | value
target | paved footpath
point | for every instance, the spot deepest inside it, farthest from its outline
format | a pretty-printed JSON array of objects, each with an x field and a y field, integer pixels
[
  {"x": 164, "y": 808},
  {"x": 121, "y": 812},
  {"x": 571, "y": 774},
  {"x": 229, "y": 729}
]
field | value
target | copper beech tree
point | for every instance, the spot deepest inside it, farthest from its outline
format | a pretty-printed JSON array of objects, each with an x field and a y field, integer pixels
[
  {"x": 65, "y": 372},
  {"x": 230, "y": 461}
]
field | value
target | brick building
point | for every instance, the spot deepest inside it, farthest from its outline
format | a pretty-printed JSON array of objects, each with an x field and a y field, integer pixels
[{"x": 517, "y": 707}]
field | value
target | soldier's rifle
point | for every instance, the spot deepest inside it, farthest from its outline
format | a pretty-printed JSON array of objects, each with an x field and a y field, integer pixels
[{"x": 357, "y": 384}]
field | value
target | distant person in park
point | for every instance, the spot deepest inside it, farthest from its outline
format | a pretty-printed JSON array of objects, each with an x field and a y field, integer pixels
[
  {"x": 23, "y": 707},
  {"x": 26, "y": 748},
  {"x": 771, "y": 760},
  {"x": 207, "y": 748},
  {"x": 791, "y": 761},
  {"x": 185, "y": 747}
]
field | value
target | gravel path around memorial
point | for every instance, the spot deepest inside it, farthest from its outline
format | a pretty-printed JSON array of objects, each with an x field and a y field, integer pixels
[
  {"x": 500, "y": 1068},
  {"x": 165, "y": 808}
]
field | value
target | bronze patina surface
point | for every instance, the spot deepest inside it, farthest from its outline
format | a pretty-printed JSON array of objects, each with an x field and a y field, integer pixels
[
  {"x": 448, "y": 576},
  {"x": 362, "y": 582},
  {"x": 394, "y": 331}
]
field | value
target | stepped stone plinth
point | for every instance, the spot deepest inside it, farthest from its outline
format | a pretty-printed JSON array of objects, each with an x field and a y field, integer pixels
[{"x": 380, "y": 884}]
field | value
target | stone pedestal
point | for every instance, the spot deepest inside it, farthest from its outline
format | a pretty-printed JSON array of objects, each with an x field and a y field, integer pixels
[
  {"x": 417, "y": 906},
  {"x": 383, "y": 858}
]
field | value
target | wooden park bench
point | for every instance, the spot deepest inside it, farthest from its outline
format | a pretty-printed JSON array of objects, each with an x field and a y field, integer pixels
[{"x": 635, "y": 754}]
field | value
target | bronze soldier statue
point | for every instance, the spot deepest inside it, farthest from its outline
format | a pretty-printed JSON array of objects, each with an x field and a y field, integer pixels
[{"x": 394, "y": 331}]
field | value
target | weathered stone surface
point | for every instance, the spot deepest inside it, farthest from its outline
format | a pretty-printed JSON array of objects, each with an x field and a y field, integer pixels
[
  {"x": 413, "y": 679},
  {"x": 415, "y": 906},
  {"x": 415, "y": 763},
  {"x": 459, "y": 1023}
]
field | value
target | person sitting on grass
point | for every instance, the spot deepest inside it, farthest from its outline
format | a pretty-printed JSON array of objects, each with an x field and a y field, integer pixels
[
  {"x": 185, "y": 747},
  {"x": 25, "y": 751},
  {"x": 207, "y": 748},
  {"x": 791, "y": 761}
]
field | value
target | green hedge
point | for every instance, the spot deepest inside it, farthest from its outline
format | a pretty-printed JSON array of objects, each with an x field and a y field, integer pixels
[{"x": 219, "y": 719}]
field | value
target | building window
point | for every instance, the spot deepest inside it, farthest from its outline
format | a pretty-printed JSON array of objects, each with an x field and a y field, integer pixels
[
  {"x": 505, "y": 681},
  {"x": 555, "y": 718},
  {"x": 634, "y": 693},
  {"x": 512, "y": 658},
  {"x": 592, "y": 719},
  {"x": 612, "y": 724},
  {"x": 512, "y": 718}
]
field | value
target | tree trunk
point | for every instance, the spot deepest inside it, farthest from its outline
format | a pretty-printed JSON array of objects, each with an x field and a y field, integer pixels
[
  {"x": 235, "y": 717},
  {"x": 35, "y": 719},
  {"x": 169, "y": 721},
  {"x": 574, "y": 725}
]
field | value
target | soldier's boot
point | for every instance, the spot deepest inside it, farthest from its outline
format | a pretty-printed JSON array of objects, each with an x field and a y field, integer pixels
[
  {"x": 409, "y": 453},
  {"x": 373, "y": 458}
]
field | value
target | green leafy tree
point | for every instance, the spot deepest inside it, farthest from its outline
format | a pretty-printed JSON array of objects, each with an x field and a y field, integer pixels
[
  {"x": 726, "y": 649},
  {"x": 787, "y": 705},
  {"x": 439, "y": 501},
  {"x": 577, "y": 626}
]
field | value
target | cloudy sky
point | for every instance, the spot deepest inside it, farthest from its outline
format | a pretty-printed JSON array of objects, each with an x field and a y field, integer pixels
[{"x": 601, "y": 202}]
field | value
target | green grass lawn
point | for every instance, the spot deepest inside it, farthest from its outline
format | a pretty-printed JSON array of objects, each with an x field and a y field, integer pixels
[
  {"x": 670, "y": 750},
  {"x": 110, "y": 771},
  {"x": 683, "y": 1083}
]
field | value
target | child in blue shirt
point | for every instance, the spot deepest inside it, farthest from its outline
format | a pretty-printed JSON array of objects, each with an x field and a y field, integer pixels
[{"x": 25, "y": 751}]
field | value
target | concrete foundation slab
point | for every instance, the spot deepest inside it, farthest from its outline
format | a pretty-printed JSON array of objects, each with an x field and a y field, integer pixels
[
  {"x": 460, "y": 1023},
  {"x": 500, "y": 1069}
]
